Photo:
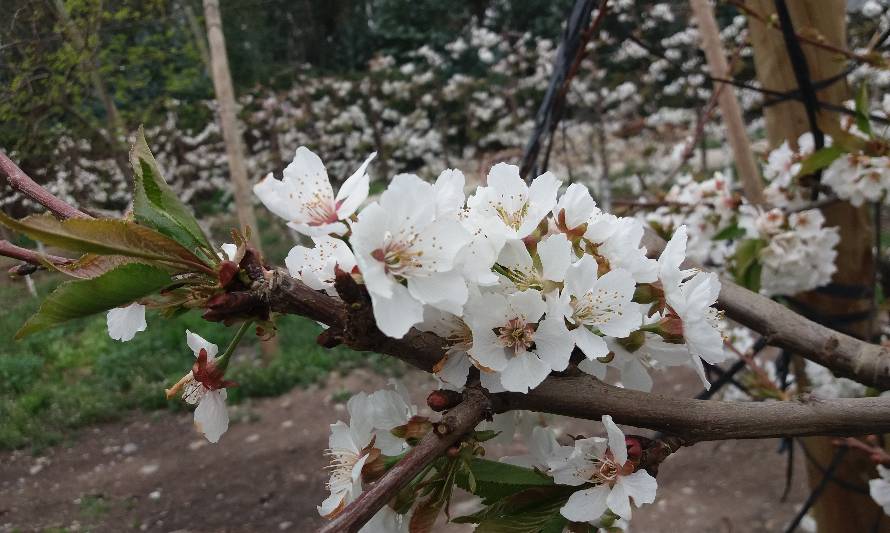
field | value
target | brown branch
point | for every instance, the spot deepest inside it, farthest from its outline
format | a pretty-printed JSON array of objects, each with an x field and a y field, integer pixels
[
  {"x": 21, "y": 182},
  {"x": 844, "y": 355},
  {"x": 455, "y": 424},
  {"x": 701, "y": 420},
  {"x": 7, "y": 249},
  {"x": 351, "y": 323}
]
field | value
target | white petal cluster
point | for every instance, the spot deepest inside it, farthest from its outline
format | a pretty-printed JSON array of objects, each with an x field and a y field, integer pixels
[
  {"x": 859, "y": 178},
  {"x": 350, "y": 446},
  {"x": 800, "y": 251},
  {"x": 515, "y": 277},
  {"x": 601, "y": 466}
]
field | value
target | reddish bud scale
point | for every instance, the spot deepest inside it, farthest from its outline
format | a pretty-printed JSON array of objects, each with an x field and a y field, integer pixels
[
  {"x": 441, "y": 400},
  {"x": 227, "y": 273}
]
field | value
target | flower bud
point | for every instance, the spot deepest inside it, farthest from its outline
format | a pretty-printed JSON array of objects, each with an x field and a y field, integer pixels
[{"x": 441, "y": 400}]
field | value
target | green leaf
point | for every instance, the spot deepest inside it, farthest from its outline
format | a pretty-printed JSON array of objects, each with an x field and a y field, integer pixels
[
  {"x": 747, "y": 269},
  {"x": 157, "y": 206},
  {"x": 105, "y": 237},
  {"x": 497, "y": 472},
  {"x": 820, "y": 159},
  {"x": 75, "y": 299},
  {"x": 862, "y": 121},
  {"x": 731, "y": 232},
  {"x": 532, "y": 519}
]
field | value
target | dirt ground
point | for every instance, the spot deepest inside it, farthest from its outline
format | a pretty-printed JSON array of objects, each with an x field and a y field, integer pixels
[{"x": 152, "y": 472}]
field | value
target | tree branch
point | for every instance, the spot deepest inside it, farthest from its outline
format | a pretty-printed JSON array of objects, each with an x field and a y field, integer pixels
[
  {"x": 352, "y": 323},
  {"x": 456, "y": 423},
  {"x": 21, "y": 182},
  {"x": 701, "y": 420},
  {"x": 7, "y": 249}
]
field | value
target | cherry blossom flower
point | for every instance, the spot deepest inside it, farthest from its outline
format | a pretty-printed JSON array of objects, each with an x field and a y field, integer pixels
[
  {"x": 205, "y": 385},
  {"x": 348, "y": 449},
  {"x": 510, "y": 338},
  {"x": 543, "y": 449},
  {"x": 400, "y": 239},
  {"x": 124, "y": 322},
  {"x": 305, "y": 198},
  {"x": 316, "y": 266},
  {"x": 514, "y": 207},
  {"x": 693, "y": 317},
  {"x": 574, "y": 209},
  {"x": 554, "y": 254},
  {"x": 453, "y": 369},
  {"x": 598, "y": 305},
  {"x": 634, "y": 364},
  {"x": 604, "y": 464},
  {"x": 618, "y": 241}
]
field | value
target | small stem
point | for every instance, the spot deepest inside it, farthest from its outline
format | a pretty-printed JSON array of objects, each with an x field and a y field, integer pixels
[{"x": 223, "y": 361}]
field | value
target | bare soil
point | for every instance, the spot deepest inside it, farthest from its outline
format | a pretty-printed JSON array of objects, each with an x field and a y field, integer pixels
[{"x": 152, "y": 472}]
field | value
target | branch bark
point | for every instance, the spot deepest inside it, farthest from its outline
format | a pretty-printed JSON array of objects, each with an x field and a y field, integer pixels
[
  {"x": 21, "y": 182},
  {"x": 7, "y": 249},
  {"x": 457, "y": 422},
  {"x": 351, "y": 323},
  {"x": 701, "y": 420}
]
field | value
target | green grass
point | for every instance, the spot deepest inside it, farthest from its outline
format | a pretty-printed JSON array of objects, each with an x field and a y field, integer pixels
[{"x": 56, "y": 381}]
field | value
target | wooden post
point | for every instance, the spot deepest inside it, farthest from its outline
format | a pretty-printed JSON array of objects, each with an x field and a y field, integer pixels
[
  {"x": 225, "y": 96},
  {"x": 838, "y": 510},
  {"x": 736, "y": 134}
]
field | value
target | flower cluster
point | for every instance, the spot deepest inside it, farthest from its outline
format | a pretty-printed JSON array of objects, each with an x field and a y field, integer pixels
[
  {"x": 517, "y": 277},
  {"x": 799, "y": 252},
  {"x": 789, "y": 250}
]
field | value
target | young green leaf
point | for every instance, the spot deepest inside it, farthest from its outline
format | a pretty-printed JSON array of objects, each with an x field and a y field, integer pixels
[
  {"x": 105, "y": 237},
  {"x": 731, "y": 232},
  {"x": 157, "y": 206},
  {"x": 862, "y": 121},
  {"x": 497, "y": 472},
  {"x": 75, "y": 299},
  {"x": 820, "y": 159}
]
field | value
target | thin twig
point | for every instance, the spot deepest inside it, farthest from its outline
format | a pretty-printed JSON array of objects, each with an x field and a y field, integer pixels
[
  {"x": 21, "y": 182},
  {"x": 456, "y": 423},
  {"x": 7, "y": 249}
]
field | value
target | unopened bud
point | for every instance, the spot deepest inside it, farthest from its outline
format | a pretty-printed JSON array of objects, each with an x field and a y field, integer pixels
[
  {"x": 441, "y": 400},
  {"x": 227, "y": 273},
  {"x": 453, "y": 452},
  {"x": 634, "y": 448}
]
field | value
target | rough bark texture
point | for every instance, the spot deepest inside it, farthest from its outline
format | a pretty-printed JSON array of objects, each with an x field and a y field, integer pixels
[{"x": 838, "y": 509}]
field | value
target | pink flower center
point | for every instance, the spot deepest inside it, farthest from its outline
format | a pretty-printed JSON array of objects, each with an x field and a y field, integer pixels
[
  {"x": 397, "y": 257},
  {"x": 516, "y": 335},
  {"x": 321, "y": 211}
]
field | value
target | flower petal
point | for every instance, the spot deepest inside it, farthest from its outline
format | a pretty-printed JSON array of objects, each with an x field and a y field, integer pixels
[
  {"x": 124, "y": 322},
  {"x": 586, "y": 505},
  {"x": 211, "y": 416},
  {"x": 197, "y": 343}
]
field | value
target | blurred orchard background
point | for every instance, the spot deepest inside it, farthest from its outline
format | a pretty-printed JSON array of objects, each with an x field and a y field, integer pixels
[{"x": 87, "y": 440}]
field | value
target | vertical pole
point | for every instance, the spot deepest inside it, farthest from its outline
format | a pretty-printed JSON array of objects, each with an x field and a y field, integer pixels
[{"x": 225, "y": 96}]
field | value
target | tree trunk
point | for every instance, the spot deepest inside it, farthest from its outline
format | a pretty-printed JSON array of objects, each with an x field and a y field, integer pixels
[
  {"x": 838, "y": 509},
  {"x": 225, "y": 96}
]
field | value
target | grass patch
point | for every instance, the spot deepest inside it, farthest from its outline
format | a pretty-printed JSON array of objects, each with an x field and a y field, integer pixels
[{"x": 56, "y": 381}]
